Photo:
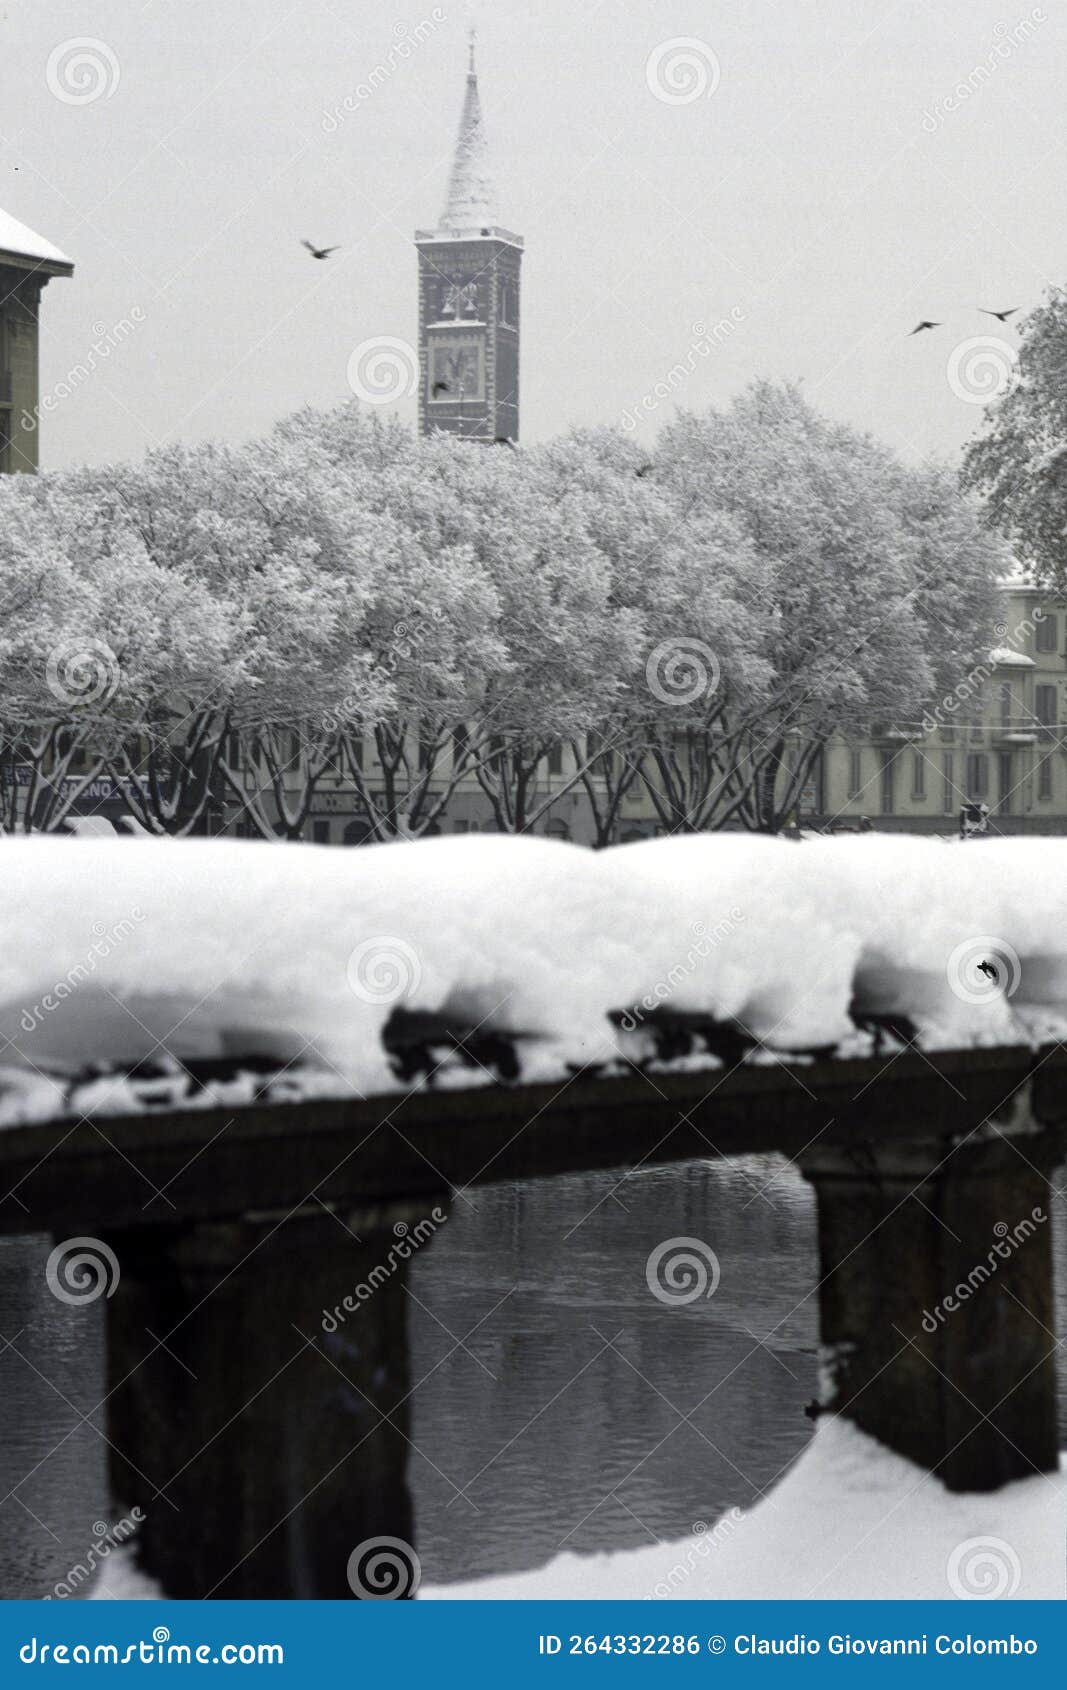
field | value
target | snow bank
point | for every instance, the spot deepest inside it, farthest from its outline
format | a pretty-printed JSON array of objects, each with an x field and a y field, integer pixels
[
  {"x": 113, "y": 951},
  {"x": 850, "y": 1521}
]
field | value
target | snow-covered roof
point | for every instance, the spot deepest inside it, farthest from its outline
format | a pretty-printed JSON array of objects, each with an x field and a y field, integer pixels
[
  {"x": 471, "y": 197},
  {"x": 1005, "y": 658},
  {"x": 223, "y": 949},
  {"x": 21, "y": 245}
]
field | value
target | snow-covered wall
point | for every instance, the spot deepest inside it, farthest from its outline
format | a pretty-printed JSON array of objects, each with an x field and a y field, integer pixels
[{"x": 703, "y": 948}]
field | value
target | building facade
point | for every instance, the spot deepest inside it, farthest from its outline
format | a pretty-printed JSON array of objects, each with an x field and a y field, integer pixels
[
  {"x": 470, "y": 270},
  {"x": 998, "y": 738},
  {"x": 27, "y": 264}
]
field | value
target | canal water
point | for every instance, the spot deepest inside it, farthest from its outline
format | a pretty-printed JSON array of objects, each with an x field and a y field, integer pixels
[
  {"x": 557, "y": 1402},
  {"x": 582, "y": 1413}
]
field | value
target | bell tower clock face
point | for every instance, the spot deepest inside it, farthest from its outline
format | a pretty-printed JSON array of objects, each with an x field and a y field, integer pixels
[{"x": 456, "y": 369}]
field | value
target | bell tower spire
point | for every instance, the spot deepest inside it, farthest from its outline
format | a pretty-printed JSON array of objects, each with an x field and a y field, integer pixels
[
  {"x": 469, "y": 270},
  {"x": 471, "y": 196}
]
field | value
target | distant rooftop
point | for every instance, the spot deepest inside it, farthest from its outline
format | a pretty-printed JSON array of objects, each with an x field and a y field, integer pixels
[{"x": 21, "y": 246}]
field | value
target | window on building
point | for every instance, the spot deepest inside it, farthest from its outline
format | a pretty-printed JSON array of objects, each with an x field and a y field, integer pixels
[
  {"x": 1047, "y": 632},
  {"x": 977, "y": 774},
  {"x": 320, "y": 833},
  {"x": 855, "y": 773},
  {"x": 918, "y": 775},
  {"x": 1005, "y": 783},
  {"x": 555, "y": 759},
  {"x": 949, "y": 795},
  {"x": 1045, "y": 705},
  {"x": 1007, "y": 703},
  {"x": 1044, "y": 778},
  {"x": 888, "y": 783},
  {"x": 602, "y": 761}
]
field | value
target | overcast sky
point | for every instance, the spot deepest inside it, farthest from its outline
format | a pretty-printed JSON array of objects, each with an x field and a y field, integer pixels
[{"x": 819, "y": 194}]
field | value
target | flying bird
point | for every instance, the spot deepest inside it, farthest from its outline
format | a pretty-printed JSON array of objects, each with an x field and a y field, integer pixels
[
  {"x": 440, "y": 387},
  {"x": 988, "y": 970},
  {"x": 319, "y": 251},
  {"x": 1001, "y": 316},
  {"x": 925, "y": 324}
]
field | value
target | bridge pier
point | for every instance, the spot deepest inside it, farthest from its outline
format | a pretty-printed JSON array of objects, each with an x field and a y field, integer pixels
[
  {"x": 936, "y": 1307},
  {"x": 258, "y": 1422}
]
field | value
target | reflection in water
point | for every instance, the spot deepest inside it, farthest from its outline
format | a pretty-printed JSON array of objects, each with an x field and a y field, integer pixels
[
  {"x": 610, "y": 1420},
  {"x": 53, "y": 1480},
  {"x": 582, "y": 1412},
  {"x": 556, "y": 1402}
]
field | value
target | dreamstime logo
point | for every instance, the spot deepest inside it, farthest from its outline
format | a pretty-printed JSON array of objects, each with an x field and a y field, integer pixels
[
  {"x": 679, "y": 671},
  {"x": 983, "y": 1569},
  {"x": 82, "y": 672},
  {"x": 406, "y": 39},
  {"x": 983, "y": 969},
  {"x": 105, "y": 940},
  {"x": 705, "y": 341},
  {"x": 82, "y": 70},
  {"x": 681, "y": 1270},
  {"x": 1007, "y": 39},
  {"x": 408, "y": 1239},
  {"x": 383, "y": 1569},
  {"x": 106, "y": 341},
  {"x": 383, "y": 369},
  {"x": 682, "y": 70},
  {"x": 682, "y": 971},
  {"x": 705, "y": 1539},
  {"x": 383, "y": 969},
  {"x": 972, "y": 684},
  {"x": 81, "y": 1270},
  {"x": 981, "y": 368},
  {"x": 1007, "y": 1239},
  {"x": 106, "y": 1538}
]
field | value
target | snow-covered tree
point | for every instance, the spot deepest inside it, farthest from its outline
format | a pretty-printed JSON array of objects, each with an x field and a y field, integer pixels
[
  {"x": 693, "y": 587},
  {"x": 864, "y": 559},
  {"x": 1018, "y": 461}
]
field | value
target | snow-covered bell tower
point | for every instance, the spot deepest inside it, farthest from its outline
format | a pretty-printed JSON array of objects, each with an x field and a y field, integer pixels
[{"x": 469, "y": 269}]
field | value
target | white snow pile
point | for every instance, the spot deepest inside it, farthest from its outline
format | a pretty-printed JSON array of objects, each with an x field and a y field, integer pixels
[
  {"x": 295, "y": 960},
  {"x": 851, "y": 1521}
]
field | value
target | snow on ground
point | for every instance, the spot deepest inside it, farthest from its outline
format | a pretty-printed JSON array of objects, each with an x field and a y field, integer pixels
[
  {"x": 850, "y": 1521},
  {"x": 112, "y": 949},
  {"x": 121, "y": 1580}
]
